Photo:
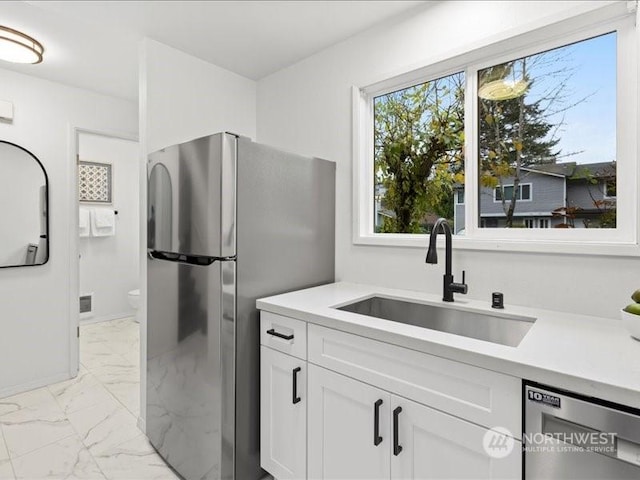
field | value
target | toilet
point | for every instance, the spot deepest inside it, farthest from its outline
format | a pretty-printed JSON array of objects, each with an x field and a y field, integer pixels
[{"x": 134, "y": 301}]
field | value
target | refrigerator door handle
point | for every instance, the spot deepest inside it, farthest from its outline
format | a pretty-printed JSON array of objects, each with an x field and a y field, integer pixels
[{"x": 202, "y": 260}]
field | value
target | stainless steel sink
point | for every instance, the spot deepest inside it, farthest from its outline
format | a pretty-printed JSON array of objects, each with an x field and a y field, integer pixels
[{"x": 505, "y": 330}]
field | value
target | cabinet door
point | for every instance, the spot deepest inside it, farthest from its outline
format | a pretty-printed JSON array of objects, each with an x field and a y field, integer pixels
[
  {"x": 435, "y": 445},
  {"x": 283, "y": 415},
  {"x": 348, "y": 428}
]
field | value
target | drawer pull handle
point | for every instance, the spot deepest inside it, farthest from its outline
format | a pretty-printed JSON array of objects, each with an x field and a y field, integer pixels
[
  {"x": 280, "y": 335},
  {"x": 377, "y": 439},
  {"x": 397, "y": 448},
  {"x": 296, "y": 398}
]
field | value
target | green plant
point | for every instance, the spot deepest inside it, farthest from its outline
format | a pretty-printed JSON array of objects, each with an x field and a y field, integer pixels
[{"x": 634, "y": 307}]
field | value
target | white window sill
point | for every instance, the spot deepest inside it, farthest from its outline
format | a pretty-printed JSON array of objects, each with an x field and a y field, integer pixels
[{"x": 564, "y": 247}]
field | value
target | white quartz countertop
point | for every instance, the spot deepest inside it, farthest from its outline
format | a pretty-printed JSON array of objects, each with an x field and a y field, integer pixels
[{"x": 588, "y": 355}]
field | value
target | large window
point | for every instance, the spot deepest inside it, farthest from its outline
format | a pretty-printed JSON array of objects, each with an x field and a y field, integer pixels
[
  {"x": 535, "y": 145},
  {"x": 418, "y": 154},
  {"x": 550, "y": 119}
]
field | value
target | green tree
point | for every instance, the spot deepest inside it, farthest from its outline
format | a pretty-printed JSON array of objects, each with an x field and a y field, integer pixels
[
  {"x": 514, "y": 134},
  {"x": 418, "y": 151},
  {"x": 597, "y": 183}
]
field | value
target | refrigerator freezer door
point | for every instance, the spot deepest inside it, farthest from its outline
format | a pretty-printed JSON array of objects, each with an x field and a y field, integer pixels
[
  {"x": 192, "y": 197},
  {"x": 190, "y": 366}
]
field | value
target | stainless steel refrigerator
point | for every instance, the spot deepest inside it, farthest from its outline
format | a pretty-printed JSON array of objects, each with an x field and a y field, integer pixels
[{"x": 229, "y": 221}]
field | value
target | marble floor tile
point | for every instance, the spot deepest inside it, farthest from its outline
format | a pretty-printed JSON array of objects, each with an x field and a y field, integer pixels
[
  {"x": 91, "y": 352},
  {"x": 134, "y": 458},
  {"x": 6, "y": 471},
  {"x": 24, "y": 434},
  {"x": 4, "y": 453},
  {"x": 104, "y": 426},
  {"x": 28, "y": 400},
  {"x": 85, "y": 427},
  {"x": 35, "y": 424},
  {"x": 67, "y": 458},
  {"x": 133, "y": 358},
  {"x": 128, "y": 395},
  {"x": 94, "y": 360},
  {"x": 123, "y": 345},
  {"x": 82, "y": 392},
  {"x": 117, "y": 372},
  {"x": 83, "y": 377},
  {"x": 123, "y": 382}
]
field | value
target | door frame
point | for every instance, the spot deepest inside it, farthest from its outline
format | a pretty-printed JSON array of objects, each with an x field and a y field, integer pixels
[{"x": 74, "y": 242}]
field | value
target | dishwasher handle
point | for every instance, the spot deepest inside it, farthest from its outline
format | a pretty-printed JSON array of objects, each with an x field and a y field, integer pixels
[{"x": 596, "y": 441}]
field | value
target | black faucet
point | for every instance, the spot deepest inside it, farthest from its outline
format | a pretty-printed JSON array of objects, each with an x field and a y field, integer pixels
[{"x": 449, "y": 287}]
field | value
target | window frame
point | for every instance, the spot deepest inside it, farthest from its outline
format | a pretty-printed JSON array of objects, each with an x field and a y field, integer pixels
[
  {"x": 621, "y": 241},
  {"x": 530, "y": 199}
]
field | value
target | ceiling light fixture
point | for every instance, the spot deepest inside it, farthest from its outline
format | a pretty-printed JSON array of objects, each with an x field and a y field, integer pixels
[
  {"x": 18, "y": 47},
  {"x": 503, "y": 89}
]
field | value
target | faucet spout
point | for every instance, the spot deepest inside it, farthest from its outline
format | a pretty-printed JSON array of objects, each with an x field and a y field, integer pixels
[{"x": 449, "y": 286}]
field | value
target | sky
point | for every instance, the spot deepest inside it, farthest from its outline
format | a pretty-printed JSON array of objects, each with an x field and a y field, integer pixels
[
  {"x": 591, "y": 124},
  {"x": 588, "y": 133}
]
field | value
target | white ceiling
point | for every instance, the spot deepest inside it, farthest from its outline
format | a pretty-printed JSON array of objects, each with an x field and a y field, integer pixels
[{"x": 94, "y": 44}]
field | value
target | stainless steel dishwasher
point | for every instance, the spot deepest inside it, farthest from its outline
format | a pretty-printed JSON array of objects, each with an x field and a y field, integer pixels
[{"x": 569, "y": 436}]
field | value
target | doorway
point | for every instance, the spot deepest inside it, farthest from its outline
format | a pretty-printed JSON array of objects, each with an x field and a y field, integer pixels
[{"x": 108, "y": 256}]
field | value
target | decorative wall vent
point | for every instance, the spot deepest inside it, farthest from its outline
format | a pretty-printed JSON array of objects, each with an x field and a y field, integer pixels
[
  {"x": 95, "y": 182},
  {"x": 86, "y": 305}
]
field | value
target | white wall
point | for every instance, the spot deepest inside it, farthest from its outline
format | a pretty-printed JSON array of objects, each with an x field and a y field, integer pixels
[
  {"x": 182, "y": 98},
  {"x": 306, "y": 108},
  {"x": 35, "y": 313},
  {"x": 110, "y": 266},
  {"x": 190, "y": 98}
]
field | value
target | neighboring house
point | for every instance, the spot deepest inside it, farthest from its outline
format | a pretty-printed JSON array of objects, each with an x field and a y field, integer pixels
[
  {"x": 550, "y": 195},
  {"x": 380, "y": 211}
]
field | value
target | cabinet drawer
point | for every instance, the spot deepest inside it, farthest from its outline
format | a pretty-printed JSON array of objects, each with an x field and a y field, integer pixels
[
  {"x": 285, "y": 334},
  {"x": 475, "y": 394}
]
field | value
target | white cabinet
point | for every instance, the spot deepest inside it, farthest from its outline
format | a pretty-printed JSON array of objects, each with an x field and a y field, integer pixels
[
  {"x": 347, "y": 438},
  {"x": 404, "y": 440},
  {"x": 465, "y": 391},
  {"x": 285, "y": 334},
  {"x": 283, "y": 410},
  {"x": 435, "y": 445},
  {"x": 335, "y": 406}
]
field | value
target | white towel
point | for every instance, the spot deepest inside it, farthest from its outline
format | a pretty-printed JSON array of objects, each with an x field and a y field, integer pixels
[
  {"x": 103, "y": 222},
  {"x": 105, "y": 218},
  {"x": 84, "y": 226}
]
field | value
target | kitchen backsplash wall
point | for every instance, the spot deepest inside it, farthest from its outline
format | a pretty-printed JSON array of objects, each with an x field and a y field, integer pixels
[{"x": 308, "y": 108}]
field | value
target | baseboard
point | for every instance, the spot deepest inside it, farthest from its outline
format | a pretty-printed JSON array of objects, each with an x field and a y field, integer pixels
[
  {"x": 141, "y": 425},
  {"x": 107, "y": 318},
  {"x": 25, "y": 387}
]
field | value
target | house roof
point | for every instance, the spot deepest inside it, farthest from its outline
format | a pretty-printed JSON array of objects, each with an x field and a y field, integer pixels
[
  {"x": 563, "y": 169},
  {"x": 598, "y": 170},
  {"x": 575, "y": 171}
]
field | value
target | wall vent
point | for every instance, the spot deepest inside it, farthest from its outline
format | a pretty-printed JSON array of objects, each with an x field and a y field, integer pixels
[{"x": 86, "y": 305}]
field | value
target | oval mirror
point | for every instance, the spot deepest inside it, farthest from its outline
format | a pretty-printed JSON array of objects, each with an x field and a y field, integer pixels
[{"x": 24, "y": 218}]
